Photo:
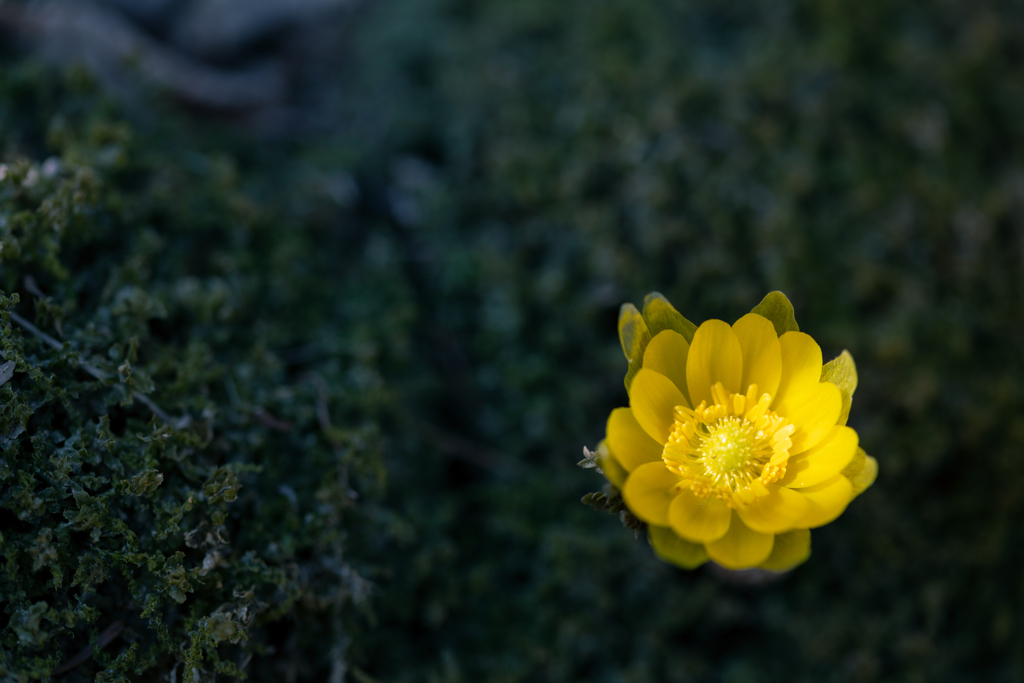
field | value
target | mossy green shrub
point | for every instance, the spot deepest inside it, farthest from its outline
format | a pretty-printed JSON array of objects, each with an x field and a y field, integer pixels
[
  {"x": 174, "y": 494},
  {"x": 523, "y": 167}
]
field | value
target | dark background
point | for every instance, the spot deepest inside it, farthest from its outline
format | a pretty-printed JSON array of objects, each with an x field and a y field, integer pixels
[{"x": 424, "y": 214}]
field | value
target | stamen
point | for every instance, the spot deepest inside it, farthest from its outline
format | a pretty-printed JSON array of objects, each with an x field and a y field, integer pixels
[
  {"x": 730, "y": 449},
  {"x": 760, "y": 409},
  {"x": 682, "y": 413},
  {"x": 720, "y": 394},
  {"x": 783, "y": 433},
  {"x": 751, "y": 394}
]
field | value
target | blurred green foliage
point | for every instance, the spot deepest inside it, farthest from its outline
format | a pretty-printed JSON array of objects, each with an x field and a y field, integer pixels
[
  {"x": 165, "y": 473},
  {"x": 442, "y": 271}
]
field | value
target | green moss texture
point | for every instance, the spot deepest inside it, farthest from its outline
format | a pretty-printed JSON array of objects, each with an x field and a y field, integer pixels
[{"x": 309, "y": 409}]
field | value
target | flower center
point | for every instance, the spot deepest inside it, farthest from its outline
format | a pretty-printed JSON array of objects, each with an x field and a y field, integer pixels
[
  {"x": 730, "y": 449},
  {"x": 726, "y": 449}
]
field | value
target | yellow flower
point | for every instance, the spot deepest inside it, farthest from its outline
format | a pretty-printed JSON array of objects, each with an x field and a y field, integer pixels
[{"x": 734, "y": 444}]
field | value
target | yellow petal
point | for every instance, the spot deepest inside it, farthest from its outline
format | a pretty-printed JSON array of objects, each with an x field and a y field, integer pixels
[
  {"x": 666, "y": 354},
  {"x": 649, "y": 491},
  {"x": 680, "y": 552},
  {"x": 629, "y": 442},
  {"x": 775, "y": 513},
  {"x": 741, "y": 547},
  {"x": 699, "y": 519},
  {"x": 762, "y": 354},
  {"x": 790, "y": 549},
  {"x": 827, "y": 501},
  {"x": 824, "y": 461},
  {"x": 715, "y": 356},
  {"x": 653, "y": 398},
  {"x": 610, "y": 466},
  {"x": 801, "y": 369},
  {"x": 815, "y": 417}
]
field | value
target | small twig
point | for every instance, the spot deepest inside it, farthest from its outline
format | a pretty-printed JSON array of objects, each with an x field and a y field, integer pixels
[
  {"x": 323, "y": 416},
  {"x": 33, "y": 287},
  {"x": 54, "y": 344},
  {"x": 35, "y": 290},
  {"x": 102, "y": 38},
  {"x": 105, "y": 638},
  {"x": 269, "y": 420},
  {"x": 39, "y": 333},
  {"x": 323, "y": 394},
  {"x": 463, "y": 448},
  {"x": 176, "y": 422},
  {"x": 746, "y": 578}
]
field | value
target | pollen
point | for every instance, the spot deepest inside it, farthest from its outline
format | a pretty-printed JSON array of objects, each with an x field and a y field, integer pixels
[
  {"x": 726, "y": 448},
  {"x": 730, "y": 449}
]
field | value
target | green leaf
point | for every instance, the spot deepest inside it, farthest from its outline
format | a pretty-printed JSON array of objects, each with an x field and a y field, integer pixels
[
  {"x": 861, "y": 471},
  {"x": 842, "y": 372},
  {"x": 675, "y": 550},
  {"x": 144, "y": 483},
  {"x": 777, "y": 308},
  {"x": 790, "y": 549},
  {"x": 661, "y": 315},
  {"x": 631, "y": 522},
  {"x": 634, "y": 336},
  {"x": 223, "y": 485},
  {"x": 26, "y": 624},
  {"x": 604, "y": 502}
]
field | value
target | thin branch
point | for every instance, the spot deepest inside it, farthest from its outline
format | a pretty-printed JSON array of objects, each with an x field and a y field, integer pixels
[
  {"x": 33, "y": 287},
  {"x": 176, "y": 422},
  {"x": 54, "y": 344},
  {"x": 463, "y": 448},
  {"x": 105, "y": 638},
  {"x": 270, "y": 421},
  {"x": 323, "y": 394},
  {"x": 105, "y": 40}
]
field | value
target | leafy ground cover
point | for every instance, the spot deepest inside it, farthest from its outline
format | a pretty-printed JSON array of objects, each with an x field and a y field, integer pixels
[{"x": 390, "y": 339}]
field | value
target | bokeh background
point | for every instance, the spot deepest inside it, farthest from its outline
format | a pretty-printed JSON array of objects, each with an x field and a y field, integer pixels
[{"x": 368, "y": 257}]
